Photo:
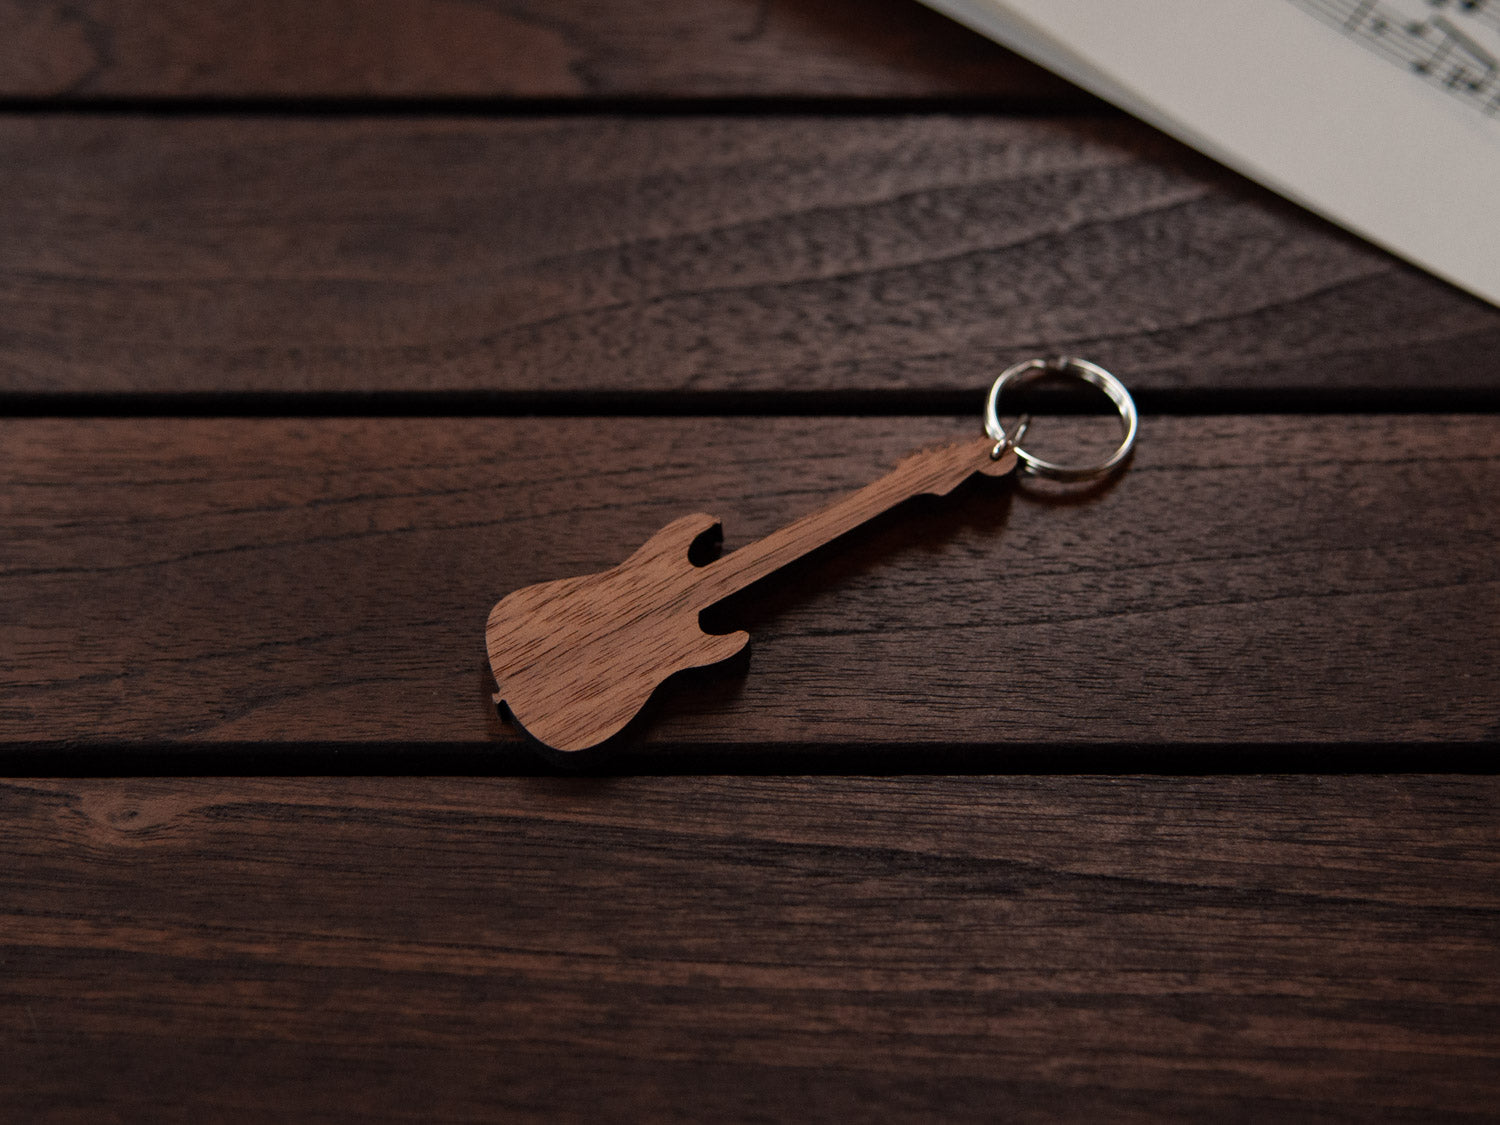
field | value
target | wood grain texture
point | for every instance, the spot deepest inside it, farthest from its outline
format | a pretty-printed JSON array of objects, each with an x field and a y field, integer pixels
[
  {"x": 697, "y": 254},
  {"x": 503, "y": 48},
  {"x": 737, "y": 948},
  {"x": 712, "y": 948},
  {"x": 1248, "y": 579},
  {"x": 576, "y": 659}
]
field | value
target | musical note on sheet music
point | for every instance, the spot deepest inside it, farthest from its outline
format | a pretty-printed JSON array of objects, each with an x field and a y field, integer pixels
[
  {"x": 1382, "y": 115},
  {"x": 1453, "y": 44}
]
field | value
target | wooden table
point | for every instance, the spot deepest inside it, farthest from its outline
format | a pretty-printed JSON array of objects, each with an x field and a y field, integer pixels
[{"x": 321, "y": 327}]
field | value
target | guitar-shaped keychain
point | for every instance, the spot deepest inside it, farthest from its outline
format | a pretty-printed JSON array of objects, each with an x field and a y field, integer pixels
[{"x": 576, "y": 659}]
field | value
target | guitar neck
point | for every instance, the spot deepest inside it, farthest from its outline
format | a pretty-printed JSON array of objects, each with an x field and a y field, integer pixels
[{"x": 930, "y": 472}]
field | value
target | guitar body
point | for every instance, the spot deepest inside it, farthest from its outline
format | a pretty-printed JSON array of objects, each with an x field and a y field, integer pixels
[{"x": 576, "y": 659}]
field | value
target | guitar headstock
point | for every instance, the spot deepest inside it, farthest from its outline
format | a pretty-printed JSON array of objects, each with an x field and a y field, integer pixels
[
  {"x": 939, "y": 470},
  {"x": 1000, "y": 466}
]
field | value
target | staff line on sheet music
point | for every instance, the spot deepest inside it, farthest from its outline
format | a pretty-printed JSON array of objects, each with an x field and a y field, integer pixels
[{"x": 1441, "y": 41}]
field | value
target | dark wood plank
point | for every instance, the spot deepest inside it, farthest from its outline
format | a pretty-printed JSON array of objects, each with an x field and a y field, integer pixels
[
  {"x": 1249, "y": 579},
  {"x": 725, "y": 254},
  {"x": 503, "y": 48},
  {"x": 741, "y": 948}
]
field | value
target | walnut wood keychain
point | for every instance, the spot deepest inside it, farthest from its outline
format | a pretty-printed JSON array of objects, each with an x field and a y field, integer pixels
[{"x": 576, "y": 659}]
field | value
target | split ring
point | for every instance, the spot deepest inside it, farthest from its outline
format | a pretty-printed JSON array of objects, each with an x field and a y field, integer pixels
[{"x": 1091, "y": 373}]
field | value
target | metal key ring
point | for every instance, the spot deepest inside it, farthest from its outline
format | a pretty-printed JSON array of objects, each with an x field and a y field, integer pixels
[{"x": 1090, "y": 373}]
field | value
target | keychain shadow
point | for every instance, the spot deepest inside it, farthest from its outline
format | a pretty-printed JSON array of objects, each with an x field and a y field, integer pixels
[
  {"x": 1052, "y": 494},
  {"x": 981, "y": 506}
]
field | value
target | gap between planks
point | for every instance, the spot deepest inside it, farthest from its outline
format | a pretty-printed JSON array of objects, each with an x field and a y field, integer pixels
[{"x": 849, "y": 403}]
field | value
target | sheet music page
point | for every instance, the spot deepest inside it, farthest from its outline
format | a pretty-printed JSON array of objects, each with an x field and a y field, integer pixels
[{"x": 1382, "y": 115}]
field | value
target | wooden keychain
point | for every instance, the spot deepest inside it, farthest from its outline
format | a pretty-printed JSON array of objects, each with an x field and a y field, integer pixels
[{"x": 577, "y": 658}]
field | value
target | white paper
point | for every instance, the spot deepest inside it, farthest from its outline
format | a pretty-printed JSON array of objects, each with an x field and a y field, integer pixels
[{"x": 1382, "y": 115}]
